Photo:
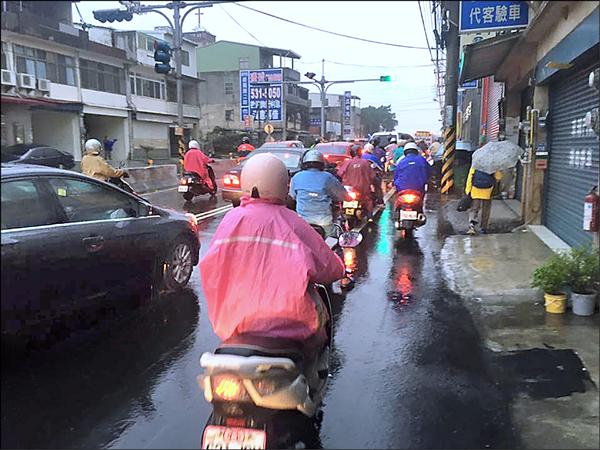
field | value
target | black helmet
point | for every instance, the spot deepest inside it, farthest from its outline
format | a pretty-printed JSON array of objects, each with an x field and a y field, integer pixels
[
  {"x": 245, "y": 140},
  {"x": 354, "y": 148}
]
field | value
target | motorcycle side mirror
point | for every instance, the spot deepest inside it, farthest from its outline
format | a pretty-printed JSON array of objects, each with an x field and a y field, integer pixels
[{"x": 350, "y": 239}]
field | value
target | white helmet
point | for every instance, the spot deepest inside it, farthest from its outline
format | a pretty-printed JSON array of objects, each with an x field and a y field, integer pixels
[
  {"x": 267, "y": 174},
  {"x": 411, "y": 146},
  {"x": 314, "y": 156},
  {"x": 194, "y": 144},
  {"x": 93, "y": 146}
]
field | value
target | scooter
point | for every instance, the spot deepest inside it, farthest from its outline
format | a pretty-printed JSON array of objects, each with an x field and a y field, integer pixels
[
  {"x": 121, "y": 183},
  {"x": 191, "y": 185},
  {"x": 263, "y": 389},
  {"x": 408, "y": 212},
  {"x": 352, "y": 208}
]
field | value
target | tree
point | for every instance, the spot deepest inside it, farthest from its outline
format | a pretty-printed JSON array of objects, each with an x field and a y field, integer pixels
[{"x": 372, "y": 118}]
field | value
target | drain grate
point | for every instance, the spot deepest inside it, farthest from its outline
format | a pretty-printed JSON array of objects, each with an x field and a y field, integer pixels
[{"x": 543, "y": 373}]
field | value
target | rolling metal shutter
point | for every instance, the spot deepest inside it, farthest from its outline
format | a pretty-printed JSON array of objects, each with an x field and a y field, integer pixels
[
  {"x": 573, "y": 156},
  {"x": 493, "y": 119}
]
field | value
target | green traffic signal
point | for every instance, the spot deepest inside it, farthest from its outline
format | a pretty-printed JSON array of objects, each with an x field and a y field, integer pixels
[{"x": 385, "y": 78}]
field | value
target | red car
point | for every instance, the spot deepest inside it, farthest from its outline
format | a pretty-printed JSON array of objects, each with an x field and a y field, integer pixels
[{"x": 335, "y": 152}]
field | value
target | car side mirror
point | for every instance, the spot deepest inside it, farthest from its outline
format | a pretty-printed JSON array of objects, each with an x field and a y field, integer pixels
[{"x": 350, "y": 239}]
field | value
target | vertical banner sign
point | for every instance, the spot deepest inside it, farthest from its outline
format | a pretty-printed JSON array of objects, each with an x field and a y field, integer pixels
[
  {"x": 492, "y": 15},
  {"x": 347, "y": 115},
  {"x": 261, "y": 94}
]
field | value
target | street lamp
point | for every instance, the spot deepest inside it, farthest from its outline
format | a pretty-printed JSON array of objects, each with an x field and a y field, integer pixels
[{"x": 323, "y": 85}]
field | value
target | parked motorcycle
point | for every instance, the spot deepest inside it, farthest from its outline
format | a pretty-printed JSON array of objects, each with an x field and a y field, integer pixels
[
  {"x": 191, "y": 185},
  {"x": 408, "y": 212}
]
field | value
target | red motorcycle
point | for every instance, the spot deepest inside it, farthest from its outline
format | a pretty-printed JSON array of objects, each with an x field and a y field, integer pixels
[{"x": 408, "y": 212}]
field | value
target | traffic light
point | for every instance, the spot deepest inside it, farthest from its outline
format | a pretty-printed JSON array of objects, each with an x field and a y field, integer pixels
[
  {"x": 162, "y": 57},
  {"x": 385, "y": 78},
  {"x": 111, "y": 15}
]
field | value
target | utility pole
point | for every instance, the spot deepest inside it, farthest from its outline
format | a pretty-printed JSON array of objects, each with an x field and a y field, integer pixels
[{"x": 452, "y": 54}]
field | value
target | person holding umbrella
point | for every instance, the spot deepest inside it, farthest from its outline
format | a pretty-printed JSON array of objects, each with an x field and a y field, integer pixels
[{"x": 486, "y": 166}]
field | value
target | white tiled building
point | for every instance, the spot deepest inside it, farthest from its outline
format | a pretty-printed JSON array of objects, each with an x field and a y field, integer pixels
[{"x": 61, "y": 85}]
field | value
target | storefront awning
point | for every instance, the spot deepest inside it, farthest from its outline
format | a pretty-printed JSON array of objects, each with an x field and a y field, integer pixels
[
  {"x": 483, "y": 58},
  {"x": 42, "y": 103}
]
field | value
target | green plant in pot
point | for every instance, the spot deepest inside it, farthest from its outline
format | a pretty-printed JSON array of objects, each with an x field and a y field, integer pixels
[
  {"x": 584, "y": 276},
  {"x": 552, "y": 278}
]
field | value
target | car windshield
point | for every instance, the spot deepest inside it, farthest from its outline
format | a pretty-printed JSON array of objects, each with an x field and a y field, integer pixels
[
  {"x": 332, "y": 149},
  {"x": 384, "y": 139},
  {"x": 290, "y": 159}
]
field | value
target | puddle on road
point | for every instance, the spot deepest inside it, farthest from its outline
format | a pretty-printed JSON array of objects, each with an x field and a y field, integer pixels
[{"x": 542, "y": 373}]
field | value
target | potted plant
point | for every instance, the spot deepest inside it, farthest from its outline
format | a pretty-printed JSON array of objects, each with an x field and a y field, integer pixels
[
  {"x": 552, "y": 278},
  {"x": 584, "y": 275}
]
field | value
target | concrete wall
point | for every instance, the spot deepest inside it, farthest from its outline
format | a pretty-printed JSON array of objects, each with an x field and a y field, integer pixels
[{"x": 57, "y": 129}]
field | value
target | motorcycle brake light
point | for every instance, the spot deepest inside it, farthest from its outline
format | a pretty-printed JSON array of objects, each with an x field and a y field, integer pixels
[
  {"x": 353, "y": 195},
  {"x": 183, "y": 181},
  {"x": 409, "y": 198},
  {"x": 228, "y": 388}
]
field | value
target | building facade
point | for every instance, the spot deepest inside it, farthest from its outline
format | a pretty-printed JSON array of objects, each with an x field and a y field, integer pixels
[
  {"x": 234, "y": 93},
  {"x": 338, "y": 127},
  {"x": 545, "y": 100},
  {"x": 62, "y": 84}
]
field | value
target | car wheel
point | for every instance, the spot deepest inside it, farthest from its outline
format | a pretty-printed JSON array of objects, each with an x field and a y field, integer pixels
[{"x": 178, "y": 265}]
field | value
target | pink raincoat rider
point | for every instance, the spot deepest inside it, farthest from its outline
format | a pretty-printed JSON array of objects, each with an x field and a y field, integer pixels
[
  {"x": 196, "y": 161},
  {"x": 259, "y": 272}
]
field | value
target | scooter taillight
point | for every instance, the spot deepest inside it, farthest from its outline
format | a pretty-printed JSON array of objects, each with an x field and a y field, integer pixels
[
  {"x": 409, "y": 198},
  {"x": 183, "y": 181},
  {"x": 228, "y": 388}
]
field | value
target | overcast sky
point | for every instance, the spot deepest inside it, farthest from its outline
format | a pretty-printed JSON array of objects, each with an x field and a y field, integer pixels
[{"x": 412, "y": 91}]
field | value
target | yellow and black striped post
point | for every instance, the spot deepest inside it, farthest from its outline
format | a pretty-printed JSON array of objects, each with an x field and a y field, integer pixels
[
  {"x": 181, "y": 150},
  {"x": 448, "y": 160}
]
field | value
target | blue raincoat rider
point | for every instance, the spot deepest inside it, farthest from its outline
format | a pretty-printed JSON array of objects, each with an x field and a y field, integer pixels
[
  {"x": 315, "y": 190},
  {"x": 413, "y": 171}
]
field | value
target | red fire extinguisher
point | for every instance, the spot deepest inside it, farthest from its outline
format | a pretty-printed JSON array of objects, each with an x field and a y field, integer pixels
[{"x": 590, "y": 210}]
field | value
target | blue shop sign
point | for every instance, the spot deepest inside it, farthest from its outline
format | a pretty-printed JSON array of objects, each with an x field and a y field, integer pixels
[{"x": 492, "y": 15}]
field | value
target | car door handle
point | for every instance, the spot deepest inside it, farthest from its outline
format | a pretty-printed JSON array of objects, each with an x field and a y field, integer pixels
[{"x": 93, "y": 243}]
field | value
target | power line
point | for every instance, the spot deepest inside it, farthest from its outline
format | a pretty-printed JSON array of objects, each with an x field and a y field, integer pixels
[
  {"x": 369, "y": 66},
  {"x": 240, "y": 25},
  {"x": 331, "y": 32}
]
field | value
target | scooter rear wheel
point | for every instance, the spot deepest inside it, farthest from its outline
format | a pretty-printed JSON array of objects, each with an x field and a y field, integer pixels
[{"x": 188, "y": 196}]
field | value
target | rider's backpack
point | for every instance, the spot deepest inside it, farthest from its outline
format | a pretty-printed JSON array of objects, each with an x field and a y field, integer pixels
[{"x": 483, "y": 180}]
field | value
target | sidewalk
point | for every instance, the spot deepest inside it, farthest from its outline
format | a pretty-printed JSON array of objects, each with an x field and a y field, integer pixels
[
  {"x": 504, "y": 217},
  {"x": 492, "y": 273}
]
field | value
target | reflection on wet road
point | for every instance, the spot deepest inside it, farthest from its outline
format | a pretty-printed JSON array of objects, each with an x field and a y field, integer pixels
[{"x": 408, "y": 366}]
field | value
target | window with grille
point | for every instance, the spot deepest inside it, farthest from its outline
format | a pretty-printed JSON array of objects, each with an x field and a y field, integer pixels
[
  {"x": 146, "y": 87},
  {"x": 229, "y": 114},
  {"x": 228, "y": 88}
]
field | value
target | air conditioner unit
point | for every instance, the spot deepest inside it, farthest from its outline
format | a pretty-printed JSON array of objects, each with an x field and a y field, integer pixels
[
  {"x": 9, "y": 78},
  {"x": 26, "y": 81},
  {"x": 43, "y": 85}
]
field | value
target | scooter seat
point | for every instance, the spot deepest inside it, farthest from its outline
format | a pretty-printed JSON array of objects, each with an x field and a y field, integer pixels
[{"x": 250, "y": 345}]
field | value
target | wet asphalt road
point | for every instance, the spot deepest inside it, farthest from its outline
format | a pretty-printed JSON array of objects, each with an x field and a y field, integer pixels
[{"x": 409, "y": 370}]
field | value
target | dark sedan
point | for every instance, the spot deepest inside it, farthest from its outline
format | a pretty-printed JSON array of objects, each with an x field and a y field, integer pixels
[
  {"x": 72, "y": 243},
  {"x": 43, "y": 155},
  {"x": 232, "y": 180}
]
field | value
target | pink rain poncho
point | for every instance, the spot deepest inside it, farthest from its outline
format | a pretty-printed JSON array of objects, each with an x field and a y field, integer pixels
[
  {"x": 258, "y": 272},
  {"x": 196, "y": 161}
]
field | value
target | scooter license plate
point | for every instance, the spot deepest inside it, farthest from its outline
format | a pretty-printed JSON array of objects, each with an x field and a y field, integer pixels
[
  {"x": 233, "y": 437},
  {"x": 408, "y": 215},
  {"x": 352, "y": 204},
  {"x": 183, "y": 188},
  {"x": 349, "y": 211}
]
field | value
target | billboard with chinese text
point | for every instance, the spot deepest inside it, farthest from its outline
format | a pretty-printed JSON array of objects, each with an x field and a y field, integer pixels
[
  {"x": 261, "y": 95},
  {"x": 492, "y": 15}
]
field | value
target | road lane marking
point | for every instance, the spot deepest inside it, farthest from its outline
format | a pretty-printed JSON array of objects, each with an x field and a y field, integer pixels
[{"x": 214, "y": 212}]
